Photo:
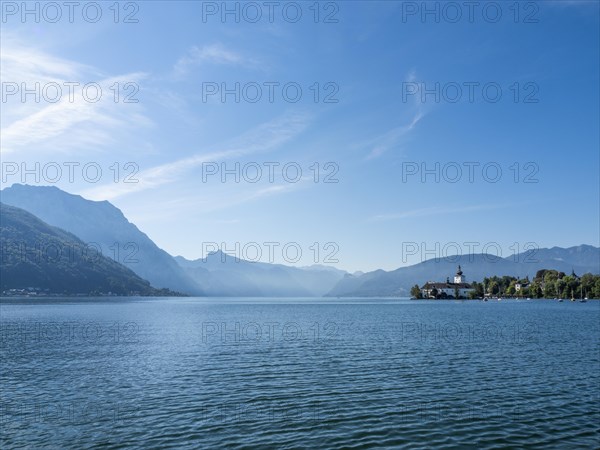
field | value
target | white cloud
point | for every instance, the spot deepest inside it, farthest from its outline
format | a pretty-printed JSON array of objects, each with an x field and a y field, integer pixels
[
  {"x": 215, "y": 54},
  {"x": 392, "y": 138},
  {"x": 63, "y": 120},
  {"x": 433, "y": 211},
  {"x": 22, "y": 63},
  {"x": 77, "y": 124},
  {"x": 263, "y": 138}
]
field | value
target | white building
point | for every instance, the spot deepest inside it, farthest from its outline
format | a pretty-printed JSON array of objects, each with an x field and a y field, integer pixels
[
  {"x": 521, "y": 285},
  {"x": 459, "y": 287}
]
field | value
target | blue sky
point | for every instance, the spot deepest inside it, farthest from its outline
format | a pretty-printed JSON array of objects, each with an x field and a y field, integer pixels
[{"x": 368, "y": 62}]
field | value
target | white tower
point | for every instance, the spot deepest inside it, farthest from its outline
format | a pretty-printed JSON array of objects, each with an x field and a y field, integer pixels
[{"x": 458, "y": 278}]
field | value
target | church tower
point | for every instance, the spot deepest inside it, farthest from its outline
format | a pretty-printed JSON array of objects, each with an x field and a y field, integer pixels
[{"x": 458, "y": 278}]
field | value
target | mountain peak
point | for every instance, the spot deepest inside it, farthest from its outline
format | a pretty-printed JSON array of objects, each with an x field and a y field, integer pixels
[
  {"x": 22, "y": 189},
  {"x": 103, "y": 224}
]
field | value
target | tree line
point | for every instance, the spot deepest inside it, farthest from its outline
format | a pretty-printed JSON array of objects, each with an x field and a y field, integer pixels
[{"x": 546, "y": 284}]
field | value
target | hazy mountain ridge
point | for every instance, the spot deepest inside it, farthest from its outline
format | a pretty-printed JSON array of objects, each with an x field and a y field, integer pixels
[
  {"x": 581, "y": 259},
  {"x": 35, "y": 254},
  {"x": 224, "y": 275},
  {"x": 104, "y": 224},
  {"x": 221, "y": 274}
]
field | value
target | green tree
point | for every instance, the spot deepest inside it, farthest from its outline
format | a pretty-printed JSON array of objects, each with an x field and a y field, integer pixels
[
  {"x": 415, "y": 291},
  {"x": 550, "y": 284},
  {"x": 486, "y": 282},
  {"x": 572, "y": 285},
  {"x": 477, "y": 290},
  {"x": 493, "y": 287},
  {"x": 560, "y": 288},
  {"x": 596, "y": 290},
  {"x": 505, "y": 282},
  {"x": 587, "y": 283},
  {"x": 535, "y": 290}
]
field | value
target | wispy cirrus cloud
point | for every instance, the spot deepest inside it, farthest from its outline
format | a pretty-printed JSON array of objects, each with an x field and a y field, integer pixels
[
  {"x": 22, "y": 64},
  {"x": 233, "y": 198},
  {"x": 394, "y": 137},
  {"x": 263, "y": 138},
  {"x": 212, "y": 54},
  {"x": 77, "y": 124},
  {"x": 213, "y": 201},
  {"x": 433, "y": 211},
  {"x": 62, "y": 117}
]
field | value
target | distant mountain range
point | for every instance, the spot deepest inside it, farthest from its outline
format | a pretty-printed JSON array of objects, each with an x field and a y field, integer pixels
[
  {"x": 102, "y": 224},
  {"x": 220, "y": 274},
  {"x": 581, "y": 259},
  {"x": 35, "y": 254}
]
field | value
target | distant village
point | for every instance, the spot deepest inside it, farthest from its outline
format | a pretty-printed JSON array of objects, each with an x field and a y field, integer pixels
[
  {"x": 546, "y": 284},
  {"x": 39, "y": 292}
]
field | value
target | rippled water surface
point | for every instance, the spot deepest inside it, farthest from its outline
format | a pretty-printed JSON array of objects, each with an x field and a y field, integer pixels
[{"x": 191, "y": 373}]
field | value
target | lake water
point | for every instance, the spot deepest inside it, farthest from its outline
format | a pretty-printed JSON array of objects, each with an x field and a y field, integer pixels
[{"x": 190, "y": 373}]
